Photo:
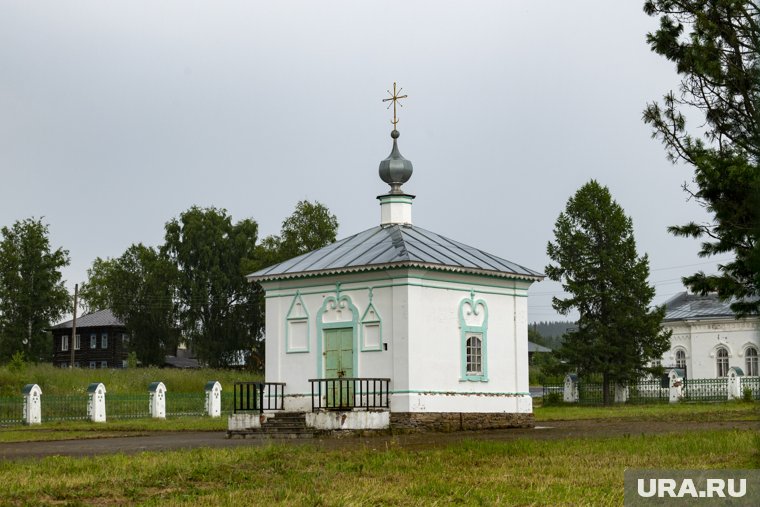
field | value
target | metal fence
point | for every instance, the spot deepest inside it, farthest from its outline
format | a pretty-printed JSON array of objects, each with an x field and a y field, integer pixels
[
  {"x": 753, "y": 384},
  {"x": 118, "y": 406},
  {"x": 10, "y": 410},
  {"x": 705, "y": 389},
  {"x": 648, "y": 391},
  {"x": 64, "y": 407},
  {"x": 258, "y": 396},
  {"x": 651, "y": 391},
  {"x": 349, "y": 393},
  {"x": 127, "y": 406}
]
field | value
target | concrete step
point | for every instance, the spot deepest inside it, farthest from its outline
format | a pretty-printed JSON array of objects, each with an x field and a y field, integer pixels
[{"x": 263, "y": 435}]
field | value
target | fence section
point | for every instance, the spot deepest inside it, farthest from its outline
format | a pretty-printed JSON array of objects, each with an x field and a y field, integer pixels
[
  {"x": 127, "y": 406},
  {"x": 11, "y": 408},
  {"x": 64, "y": 407},
  {"x": 185, "y": 404},
  {"x": 648, "y": 391},
  {"x": 705, "y": 389},
  {"x": 349, "y": 393},
  {"x": 651, "y": 391},
  {"x": 258, "y": 396},
  {"x": 753, "y": 384}
]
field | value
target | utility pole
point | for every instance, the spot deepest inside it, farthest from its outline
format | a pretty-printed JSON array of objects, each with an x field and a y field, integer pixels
[{"x": 73, "y": 341}]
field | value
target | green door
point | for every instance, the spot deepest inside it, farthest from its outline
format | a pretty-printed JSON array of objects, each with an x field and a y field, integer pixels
[{"x": 339, "y": 363}]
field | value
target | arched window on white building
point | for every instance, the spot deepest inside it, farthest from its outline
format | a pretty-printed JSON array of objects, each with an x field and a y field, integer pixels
[
  {"x": 474, "y": 355},
  {"x": 681, "y": 359},
  {"x": 751, "y": 361},
  {"x": 721, "y": 360}
]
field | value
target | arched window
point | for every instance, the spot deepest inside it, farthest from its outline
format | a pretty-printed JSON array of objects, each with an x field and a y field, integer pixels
[
  {"x": 474, "y": 355},
  {"x": 722, "y": 361},
  {"x": 751, "y": 361},
  {"x": 680, "y": 359}
]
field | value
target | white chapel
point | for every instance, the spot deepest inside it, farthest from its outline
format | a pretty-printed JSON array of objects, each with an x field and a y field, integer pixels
[{"x": 398, "y": 326}]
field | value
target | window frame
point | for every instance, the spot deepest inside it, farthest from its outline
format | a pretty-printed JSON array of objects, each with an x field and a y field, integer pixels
[
  {"x": 93, "y": 340},
  {"x": 474, "y": 354},
  {"x": 680, "y": 362},
  {"x": 104, "y": 341},
  {"x": 751, "y": 361},
  {"x": 481, "y": 330},
  {"x": 93, "y": 365},
  {"x": 64, "y": 343},
  {"x": 721, "y": 362},
  {"x": 78, "y": 342}
]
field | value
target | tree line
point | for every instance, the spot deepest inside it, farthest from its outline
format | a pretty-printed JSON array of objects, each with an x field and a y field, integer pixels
[{"x": 191, "y": 289}]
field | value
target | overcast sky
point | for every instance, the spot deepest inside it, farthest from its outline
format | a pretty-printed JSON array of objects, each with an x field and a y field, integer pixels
[{"x": 117, "y": 116}]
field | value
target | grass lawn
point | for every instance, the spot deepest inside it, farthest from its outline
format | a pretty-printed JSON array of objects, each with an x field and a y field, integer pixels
[
  {"x": 69, "y": 430},
  {"x": 728, "y": 411},
  {"x": 63, "y": 381},
  {"x": 571, "y": 471}
]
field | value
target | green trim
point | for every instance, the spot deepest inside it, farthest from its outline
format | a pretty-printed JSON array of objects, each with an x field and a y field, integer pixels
[
  {"x": 376, "y": 320},
  {"x": 288, "y": 319},
  {"x": 432, "y": 393},
  {"x": 334, "y": 302},
  {"x": 452, "y": 393},
  {"x": 412, "y": 284},
  {"x": 390, "y": 200},
  {"x": 466, "y": 330},
  {"x": 398, "y": 265}
]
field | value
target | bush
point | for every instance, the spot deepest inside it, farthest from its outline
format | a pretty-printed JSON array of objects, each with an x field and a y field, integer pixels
[
  {"x": 747, "y": 395},
  {"x": 17, "y": 363},
  {"x": 552, "y": 399}
]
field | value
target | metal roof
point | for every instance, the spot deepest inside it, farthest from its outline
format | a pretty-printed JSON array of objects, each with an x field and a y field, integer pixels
[
  {"x": 101, "y": 318},
  {"x": 685, "y": 306},
  {"x": 535, "y": 347},
  {"x": 395, "y": 246}
]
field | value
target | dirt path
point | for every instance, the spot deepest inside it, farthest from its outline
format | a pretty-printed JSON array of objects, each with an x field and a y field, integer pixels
[{"x": 162, "y": 441}]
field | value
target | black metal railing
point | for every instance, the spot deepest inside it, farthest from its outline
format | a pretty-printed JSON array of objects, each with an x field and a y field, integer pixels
[
  {"x": 258, "y": 396},
  {"x": 349, "y": 393}
]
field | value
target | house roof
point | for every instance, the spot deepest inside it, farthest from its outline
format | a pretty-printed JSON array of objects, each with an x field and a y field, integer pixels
[
  {"x": 685, "y": 306},
  {"x": 395, "y": 246},
  {"x": 181, "y": 362},
  {"x": 101, "y": 318},
  {"x": 535, "y": 347}
]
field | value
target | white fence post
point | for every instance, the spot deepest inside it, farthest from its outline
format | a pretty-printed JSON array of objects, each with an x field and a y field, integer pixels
[
  {"x": 214, "y": 398},
  {"x": 96, "y": 403},
  {"x": 157, "y": 400},
  {"x": 621, "y": 393},
  {"x": 675, "y": 381},
  {"x": 571, "y": 389},
  {"x": 734, "y": 379},
  {"x": 32, "y": 404}
]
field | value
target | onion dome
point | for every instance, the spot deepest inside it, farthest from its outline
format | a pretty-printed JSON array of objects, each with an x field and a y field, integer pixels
[{"x": 395, "y": 170}]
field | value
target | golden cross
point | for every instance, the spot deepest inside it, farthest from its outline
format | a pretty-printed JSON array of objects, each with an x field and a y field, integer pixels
[{"x": 394, "y": 97}]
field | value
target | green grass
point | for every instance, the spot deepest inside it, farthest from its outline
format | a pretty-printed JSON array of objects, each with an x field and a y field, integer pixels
[
  {"x": 728, "y": 411},
  {"x": 571, "y": 471},
  {"x": 70, "y": 430},
  {"x": 62, "y": 381}
]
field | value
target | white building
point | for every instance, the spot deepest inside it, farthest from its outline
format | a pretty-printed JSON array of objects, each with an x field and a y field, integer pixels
[
  {"x": 708, "y": 339},
  {"x": 420, "y": 329}
]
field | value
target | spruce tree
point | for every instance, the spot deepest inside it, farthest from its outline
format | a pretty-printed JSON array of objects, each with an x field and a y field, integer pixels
[{"x": 595, "y": 258}]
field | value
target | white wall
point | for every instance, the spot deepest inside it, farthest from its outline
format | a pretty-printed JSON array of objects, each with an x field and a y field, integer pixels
[
  {"x": 295, "y": 368},
  {"x": 420, "y": 325},
  {"x": 700, "y": 339}
]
